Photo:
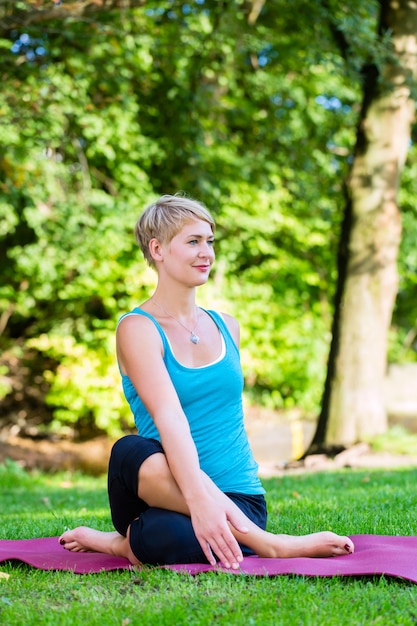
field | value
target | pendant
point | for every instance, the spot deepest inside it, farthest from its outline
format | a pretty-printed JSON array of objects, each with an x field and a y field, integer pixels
[{"x": 194, "y": 338}]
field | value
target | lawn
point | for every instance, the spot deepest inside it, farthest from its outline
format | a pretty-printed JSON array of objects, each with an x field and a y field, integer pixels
[{"x": 345, "y": 501}]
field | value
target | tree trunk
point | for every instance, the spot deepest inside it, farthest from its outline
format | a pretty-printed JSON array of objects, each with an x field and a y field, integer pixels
[{"x": 353, "y": 405}]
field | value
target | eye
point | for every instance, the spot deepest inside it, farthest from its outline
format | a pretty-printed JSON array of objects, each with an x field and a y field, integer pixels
[{"x": 193, "y": 242}]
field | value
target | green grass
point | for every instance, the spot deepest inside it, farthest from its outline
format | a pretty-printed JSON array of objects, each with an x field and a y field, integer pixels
[{"x": 346, "y": 501}]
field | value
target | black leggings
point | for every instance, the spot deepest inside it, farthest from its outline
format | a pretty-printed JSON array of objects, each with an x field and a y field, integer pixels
[{"x": 159, "y": 536}]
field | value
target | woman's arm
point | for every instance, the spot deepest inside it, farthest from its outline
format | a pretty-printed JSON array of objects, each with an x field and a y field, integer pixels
[{"x": 139, "y": 349}]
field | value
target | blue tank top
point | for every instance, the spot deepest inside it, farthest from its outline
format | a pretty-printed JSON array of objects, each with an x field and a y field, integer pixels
[{"x": 211, "y": 397}]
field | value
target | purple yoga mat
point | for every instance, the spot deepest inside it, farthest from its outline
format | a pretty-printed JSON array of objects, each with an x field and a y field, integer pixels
[{"x": 374, "y": 555}]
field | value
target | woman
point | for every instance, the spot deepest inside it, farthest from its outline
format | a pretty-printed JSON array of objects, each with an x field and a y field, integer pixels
[{"x": 185, "y": 489}]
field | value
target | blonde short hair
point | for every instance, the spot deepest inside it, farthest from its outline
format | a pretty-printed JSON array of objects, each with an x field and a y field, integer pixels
[{"x": 165, "y": 217}]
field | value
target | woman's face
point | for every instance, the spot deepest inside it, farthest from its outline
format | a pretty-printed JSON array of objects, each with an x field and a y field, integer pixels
[{"x": 190, "y": 254}]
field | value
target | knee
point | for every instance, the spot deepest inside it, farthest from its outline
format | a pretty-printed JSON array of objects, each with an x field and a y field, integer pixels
[
  {"x": 120, "y": 445},
  {"x": 155, "y": 468}
]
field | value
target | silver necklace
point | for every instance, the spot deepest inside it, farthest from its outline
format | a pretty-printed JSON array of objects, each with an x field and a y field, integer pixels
[{"x": 193, "y": 337}]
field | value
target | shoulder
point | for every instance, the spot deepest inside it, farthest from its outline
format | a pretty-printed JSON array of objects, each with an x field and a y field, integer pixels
[
  {"x": 230, "y": 321},
  {"x": 232, "y": 326},
  {"x": 138, "y": 325},
  {"x": 135, "y": 315},
  {"x": 135, "y": 320}
]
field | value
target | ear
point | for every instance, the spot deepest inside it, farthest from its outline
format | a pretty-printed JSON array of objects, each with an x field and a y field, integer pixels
[{"x": 155, "y": 249}]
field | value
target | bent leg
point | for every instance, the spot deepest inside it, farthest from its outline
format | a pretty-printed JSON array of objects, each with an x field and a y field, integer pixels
[
  {"x": 126, "y": 459},
  {"x": 140, "y": 480},
  {"x": 161, "y": 537},
  {"x": 159, "y": 489}
]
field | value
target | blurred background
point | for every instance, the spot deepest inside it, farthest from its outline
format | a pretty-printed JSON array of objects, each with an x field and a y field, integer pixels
[{"x": 252, "y": 108}]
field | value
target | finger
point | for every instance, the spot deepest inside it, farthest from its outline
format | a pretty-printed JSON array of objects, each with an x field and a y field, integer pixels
[
  {"x": 206, "y": 548},
  {"x": 228, "y": 551},
  {"x": 214, "y": 547},
  {"x": 238, "y": 523},
  {"x": 209, "y": 555}
]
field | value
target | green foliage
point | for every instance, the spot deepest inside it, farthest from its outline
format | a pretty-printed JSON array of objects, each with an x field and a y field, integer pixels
[
  {"x": 403, "y": 345},
  {"x": 99, "y": 115},
  {"x": 5, "y": 385},
  {"x": 84, "y": 389}
]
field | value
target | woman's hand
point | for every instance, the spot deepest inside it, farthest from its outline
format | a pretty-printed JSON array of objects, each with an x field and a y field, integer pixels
[{"x": 213, "y": 519}]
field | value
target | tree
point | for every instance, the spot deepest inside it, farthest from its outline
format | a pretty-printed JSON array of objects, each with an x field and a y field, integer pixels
[{"x": 353, "y": 401}]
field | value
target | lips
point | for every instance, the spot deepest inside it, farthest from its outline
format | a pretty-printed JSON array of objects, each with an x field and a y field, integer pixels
[{"x": 202, "y": 268}]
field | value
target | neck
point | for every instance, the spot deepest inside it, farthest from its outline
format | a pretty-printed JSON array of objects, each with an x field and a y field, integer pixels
[
  {"x": 171, "y": 311},
  {"x": 177, "y": 303},
  {"x": 183, "y": 321}
]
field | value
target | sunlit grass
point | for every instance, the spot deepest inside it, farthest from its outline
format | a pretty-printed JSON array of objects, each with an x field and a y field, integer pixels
[{"x": 346, "y": 501}]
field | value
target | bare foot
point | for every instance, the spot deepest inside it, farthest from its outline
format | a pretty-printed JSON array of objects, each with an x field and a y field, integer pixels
[
  {"x": 84, "y": 539},
  {"x": 321, "y": 544}
]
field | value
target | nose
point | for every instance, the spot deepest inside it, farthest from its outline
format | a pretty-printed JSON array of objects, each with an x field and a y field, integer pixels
[{"x": 206, "y": 250}]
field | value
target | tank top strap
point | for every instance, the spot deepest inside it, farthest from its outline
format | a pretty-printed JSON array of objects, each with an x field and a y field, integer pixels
[
  {"x": 219, "y": 321},
  {"x": 138, "y": 311},
  {"x": 215, "y": 315}
]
